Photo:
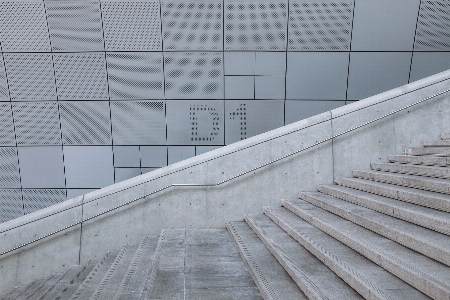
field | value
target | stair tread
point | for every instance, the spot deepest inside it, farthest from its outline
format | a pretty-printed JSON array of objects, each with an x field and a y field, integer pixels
[
  {"x": 438, "y": 151},
  {"x": 62, "y": 282},
  {"x": 418, "y": 170},
  {"x": 72, "y": 287},
  {"x": 424, "y": 159},
  {"x": 441, "y": 143}
]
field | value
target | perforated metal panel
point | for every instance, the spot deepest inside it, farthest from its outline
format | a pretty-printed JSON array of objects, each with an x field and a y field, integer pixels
[
  {"x": 138, "y": 122},
  {"x": 433, "y": 26},
  {"x": 24, "y": 27},
  {"x": 255, "y": 25},
  {"x": 9, "y": 168},
  {"x": 85, "y": 123},
  {"x": 4, "y": 93},
  {"x": 75, "y": 25},
  {"x": 30, "y": 76},
  {"x": 320, "y": 25},
  {"x": 7, "y": 136},
  {"x": 192, "y": 25},
  {"x": 135, "y": 75},
  {"x": 132, "y": 25},
  {"x": 11, "y": 205},
  {"x": 37, "y": 123},
  {"x": 81, "y": 76},
  {"x": 194, "y": 75},
  {"x": 34, "y": 200}
]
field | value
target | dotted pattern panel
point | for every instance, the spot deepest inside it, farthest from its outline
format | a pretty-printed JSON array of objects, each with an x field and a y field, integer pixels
[
  {"x": 37, "y": 123},
  {"x": 30, "y": 76},
  {"x": 205, "y": 115},
  {"x": 144, "y": 119},
  {"x": 255, "y": 25},
  {"x": 135, "y": 75},
  {"x": 85, "y": 123},
  {"x": 240, "y": 115},
  {"x": 132, "y": 26},
  {"x": 9, "y": 168},
  {"x": 320, "y": 25},
  {"x": 4, "y": 93},
  {"x": 34, "y": 200},
  {"x": 24, "y": 27},
  {"x": 11, "y": 205},
  {"x": 193, "y": 75},
  {"x": 433, "y": 26},
  {"x": 192, "y": 25},
  {"x": 81, "y": 76},
  {"x": 7, "y": 136}
]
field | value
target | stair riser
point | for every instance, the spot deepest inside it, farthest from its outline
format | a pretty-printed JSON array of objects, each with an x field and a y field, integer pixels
[
  {"x": 433, "y": 172},
  {"x": 445, "y": 136},
  {"x": 442, "y": 143},
  {"x": 443, "y": 151},
  {"x": 420, "y": 160}
]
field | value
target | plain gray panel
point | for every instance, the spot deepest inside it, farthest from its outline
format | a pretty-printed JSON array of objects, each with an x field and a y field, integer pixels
[
  {"x": 75, "y": 25},
  {"x": 297, "y": 110},
  {"x": 37, "y": 199},
  {"x": 126, "y": 156},
  {"x": 24, "y": 27},
  {"x": 85, "y": 123},
  {"x": 372, "y": 73},
  {"x": 132, "y": 25},
  {"x": 317, "y": 75},
  {"x": 11, "y": 205},
  {"x": 72, "y": 193},
  {"x": 384, "y": 25},
  {"x": 88, "y": 166},
  {"x": 9, "y": 168},
  {"x": 239, "y": 87},
  {"x": 37, "y": 123},
  {"x": 147, "y": 170},
  {"x": 126, "y": 173},
  {"x": 7, "y": 135},
  {"x": 41, "y": 167},
  {"x": 239, "y": 63},
  {"x": 320, "y": 25},
  {"x": 248, "y": 118},
  {"x": 425, "y": 64},
  {"x": 138, "y": 122},
  {"x": 193, "y": 75},
  {"x": 203, "y": 149},
  {"x": 135, "y": 75},
  {"x": 4, "y": 92},
  {"x": 179, "y": 153},
  {"x": 270, "y": 63},
  {"x": 153, "y": 156},
  {"x": 191, "y": 122},
  {"x": 433, "y": 26},
  {"x": 30, "y": 76},
  {"x": 81, "y": 76},
  {"x": 192, "y": 25},
  {"x": 269, "y": 87},
  {"x": 256, "y": 25}
]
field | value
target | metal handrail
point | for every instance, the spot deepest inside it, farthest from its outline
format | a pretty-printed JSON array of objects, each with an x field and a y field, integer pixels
[{"x": 226, "y": 180}]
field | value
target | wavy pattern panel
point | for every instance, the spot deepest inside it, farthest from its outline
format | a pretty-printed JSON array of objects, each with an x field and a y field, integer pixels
[
  {"x": 11, "y": 205},
  {"x": 38, "y": 199},
  {"x": 9, "y": 168},
  {"x": 7, "y": 135},
  {"x": 433, "y": 26}
]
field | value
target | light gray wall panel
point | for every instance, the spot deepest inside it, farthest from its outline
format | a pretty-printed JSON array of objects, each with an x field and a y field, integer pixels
[
  {"x": 75, "y": 25},
  {"x": 153, "y": 156},
  {"x": 376, "y": 72},
  {"x": 126, "y": 173},
  {"x": 126, "y": 156},
  {"x": 191, "y": 122},
  {"x": 255, "y": 25},
  {"x": 9, "y": 168},
  {"x": 4, "y": 92},
  {"x": 81, "y": 76},
  {"x": 433, "y": 26},
  {"x": 194, "y": 75},
  {"x": 239, "y": 87},
  {"x": 384, "y": 25},
  {"x": 269, "y": 87},
  {"x": 72, "y": 193},
  {"x": 41, "y": 167},
  {"x": 11, "y": 205},
  {"x": 192, "y": 25},
  {"x": 239, "y": 63},
  {"x": 7, "y": 135},
  {"x": 37, "y": 199},
  {"x": 425, "y": 64},
  {"x": 24, "y": 27},
  {"x": 30, "y": 76},
  {"x": 203, "y": 149},
  {"x": 138, "y": 123},
  {"x": 270, "y": 63},
  {"x": 317, "y": 75},
  {"x": 131, "y": 25},
  {"x": 179, "y": 153},
  {"x": 320, "y": 25},
  {"x": 146, "y": 170},
  {"x": 37, "y": 123},
  {"x": 88, "y": 166},
  {"x": 251, "y": 117},
  {"x": 135, "y": 75},
  {"x": 85, "y": 123},
  {"x": 297, "y": 110}
]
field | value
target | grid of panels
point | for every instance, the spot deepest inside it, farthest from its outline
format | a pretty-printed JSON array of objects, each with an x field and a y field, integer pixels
[
  {"x": 192, "y": 25},
  {"x": 11, "y": 205},
  {"x": 4, "y": 94},
  {"x": 41, "y": 198},
  {"x": 9, "y": 168},
  {"x": 7, "y": 136},
  {"x": 132, "y": 26},
  {"x": 433, "y": 26}
]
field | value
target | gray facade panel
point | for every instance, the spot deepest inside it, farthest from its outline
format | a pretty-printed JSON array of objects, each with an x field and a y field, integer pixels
[
  {"x": 11, "y": 205},
  {"x": 239, "y": 63},
  {"x": 239, "y": 87},
  {"x": 36, "y": 199},
  {"x": 297, "y": 110},
  {"x": 153, "y": 156},
  {"x": 179, "y": 153},
  {"x": 7, "y": 134},
  {"x": 433, "y": 26},
  {"x": 425, "y": 64},
  {"x": 126, "y": 156},
  {"x": 9, "y": 168}
]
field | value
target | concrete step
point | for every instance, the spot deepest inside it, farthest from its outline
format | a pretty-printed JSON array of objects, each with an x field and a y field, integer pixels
[
  {"x": 421, "y": 272},
  {"x": 441, "y": 143},
  {"x": 62, "y": 282},
  {"x": 403, "y": 193},
  {"x": 427, "y": 171},
  {"x": 423, "y": 216},
  {"x": 367, "y": 278},
  {"x": 426, "y": 160},
  {"x": 271, "y": 278},
  {"x": 33, "y": 290},
  {"x": 438, "y": 151},
  {"x": 422, "y": 240},
  {"x": 75, "y": 283},
  {"x": 445, "y": 136}
]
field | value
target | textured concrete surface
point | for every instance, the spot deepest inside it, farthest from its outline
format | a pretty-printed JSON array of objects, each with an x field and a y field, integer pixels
[{"x": 420, "y": 160}]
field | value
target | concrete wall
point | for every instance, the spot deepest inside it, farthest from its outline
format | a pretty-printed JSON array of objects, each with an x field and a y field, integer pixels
[{"x": 206, "y": 207}]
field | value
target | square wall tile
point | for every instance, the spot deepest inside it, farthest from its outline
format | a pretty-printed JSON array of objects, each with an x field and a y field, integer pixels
[
  {"x": 297, "y": 110},
  {"x": 179, "y": 153},
  {"x": 239, "y": 63},
  {"x": 270, "y": 63},
  {"x": 126, "y": 156},
  {"x": 425, "y": 64},
  {"x": 122, "y": 174},
  {"x": 269, "y": 87},
  {"x": 153, "y": 156},
  {"x": 11, "y": 205},
  {"x": 72, "y": 193},
  {"x": 203, "y": 149},
  {"x": 9, "y": 168},
  {"x": 239, "y": 87}
]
